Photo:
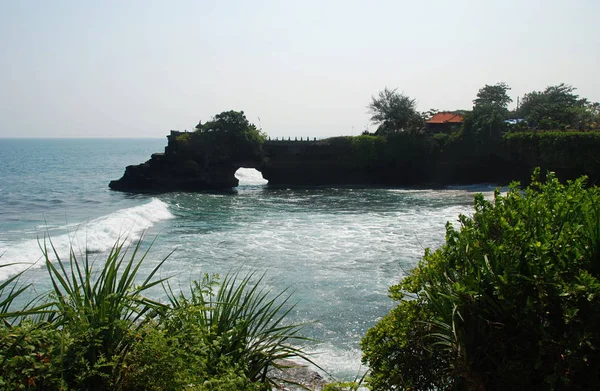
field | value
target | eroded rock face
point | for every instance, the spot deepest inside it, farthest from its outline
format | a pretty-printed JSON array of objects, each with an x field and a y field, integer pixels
[
  {"x": 183, "y": 167},
  {"x": 196, "y": 166},
  {"x": 160, "y": 177},
  {"x": 193, "y": 162}
]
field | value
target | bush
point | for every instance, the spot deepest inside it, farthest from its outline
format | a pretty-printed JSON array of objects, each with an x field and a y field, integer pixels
[
  {"x": 233, "y": 324},
  {"x": 181, "y": 360},
  {"x": 367, "y": 149},
  {"x": 97, "y": 331},
  {"x": 30, "y": 357},
  {"x": 556, "y": 149},
  {"x": 99, "y": 311},
  {"x": 229, "y": 135},
  {"x": 511, "y": 300}
]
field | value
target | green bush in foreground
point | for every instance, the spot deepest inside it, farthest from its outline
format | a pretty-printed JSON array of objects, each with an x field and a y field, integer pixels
[
  {"x": 512, "y": 300},
  {"x": 97, "y": 331}
]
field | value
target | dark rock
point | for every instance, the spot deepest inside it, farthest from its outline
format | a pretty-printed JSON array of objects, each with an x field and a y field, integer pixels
[
  {"x": 293, "y": 372},
  {"x": 190, "y": 163}
]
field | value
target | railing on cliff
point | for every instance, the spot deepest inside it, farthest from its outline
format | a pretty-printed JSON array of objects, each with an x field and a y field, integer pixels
[
  {"x": 175, "y": 133},
  {"x": 282, "y": 139}
]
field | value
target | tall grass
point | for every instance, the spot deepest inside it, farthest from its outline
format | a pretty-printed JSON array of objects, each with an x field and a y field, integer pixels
[
  {"x": 100, "y": 310},
  {"x": 11, "y": 290},
  {"x": 238, "y": 319}
]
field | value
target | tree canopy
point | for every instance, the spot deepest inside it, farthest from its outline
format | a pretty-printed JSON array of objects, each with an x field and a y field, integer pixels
[
  {"x": 227, "y": 121},
  {"x": 231, "y": 134},
  {"x": 557, "y": 107},
  {"x": 490, "y": 110},
  {"x": 394, "y": 112},
  {"x": 493, "y": 95}
]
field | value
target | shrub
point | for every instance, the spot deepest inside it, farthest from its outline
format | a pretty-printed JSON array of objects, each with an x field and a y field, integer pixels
[
  {"x": 97, "y": 331},
  {"x": 511, "y": 300},
  {"x": 233, "y": 324},
  {"x": 183, "y": 139},
  {"x": 366, "y": 149},
  {"x": 100, "y": 311},
  {"x": 30, "y": 357}
]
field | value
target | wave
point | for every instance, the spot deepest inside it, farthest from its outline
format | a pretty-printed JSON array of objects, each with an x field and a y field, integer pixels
[
  {"x": 95, "y": 236},
  {"x": 476, "y": 188},
  {"x": 342, "y": 364}
]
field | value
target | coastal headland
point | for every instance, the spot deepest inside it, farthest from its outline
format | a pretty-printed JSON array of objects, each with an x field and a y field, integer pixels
[{"x": 200, "y": 161}]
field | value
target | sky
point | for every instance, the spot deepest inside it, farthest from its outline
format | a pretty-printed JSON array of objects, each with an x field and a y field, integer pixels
[{"x": 136, "y": 69}]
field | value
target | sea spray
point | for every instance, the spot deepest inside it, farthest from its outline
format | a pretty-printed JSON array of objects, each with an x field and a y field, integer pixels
[{"x": 95, "y": 236}]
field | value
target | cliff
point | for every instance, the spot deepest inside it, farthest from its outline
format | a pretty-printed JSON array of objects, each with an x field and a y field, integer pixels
[{"x": 195, "y": 162}]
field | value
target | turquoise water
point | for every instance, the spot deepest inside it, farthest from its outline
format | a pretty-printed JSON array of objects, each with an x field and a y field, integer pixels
[{"x": 337, "y": 249}]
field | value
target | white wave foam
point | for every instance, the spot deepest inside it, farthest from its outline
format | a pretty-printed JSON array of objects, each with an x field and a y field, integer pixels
[
  {"x": 250, "y": 176},
  {"x": 97, "y": 235},
  {"x": 341, "y": 364}
]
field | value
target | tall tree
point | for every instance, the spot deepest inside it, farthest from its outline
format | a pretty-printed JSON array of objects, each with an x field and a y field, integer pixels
[
  {"x": 493, "y": 95},
  {"x": 557, "y": 107},
  {"x": 394, "y": 112},
  {"x": 490, "y": 109}
]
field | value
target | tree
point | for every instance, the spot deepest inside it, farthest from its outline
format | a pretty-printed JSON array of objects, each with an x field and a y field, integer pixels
[
  {"x": 394, "y": 112},
  {"x": 557, "y": 107},
  {"x": 493, "y": 95},
  {"x": 227, "y": 121},
  {"x": 490, "y": 110}
]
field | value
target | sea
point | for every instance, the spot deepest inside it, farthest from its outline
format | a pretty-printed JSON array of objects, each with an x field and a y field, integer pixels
[{"x": 337, "y": 250}]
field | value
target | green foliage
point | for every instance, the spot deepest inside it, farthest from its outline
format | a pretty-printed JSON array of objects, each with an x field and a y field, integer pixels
[
  {"x": 578, "y": 150},
  {"x": 557, "y": 107},
  {"x": 511, "y": 300},
  {"x": 486, "y": 121},
  {"x": 10, "y": 290},
  {"x": 238, "y": 321},
  {"x": 179, "y": 356},
  {"x": 99, "y": 332},
  {"x": 394, "y": 112},
  {"x": 398, "y": 352},
  {"x": 99, "y": 311},
  {"x": 183, "y": 138},
  {"x": 493, "y": 95},
  {"x": 229, "y": 135},
  {"x": 366, "y": 149},
  {"x": 30, "y": 357}
]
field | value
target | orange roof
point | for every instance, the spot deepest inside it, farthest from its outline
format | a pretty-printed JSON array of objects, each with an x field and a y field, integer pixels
[{"x": 446, "y": 118}]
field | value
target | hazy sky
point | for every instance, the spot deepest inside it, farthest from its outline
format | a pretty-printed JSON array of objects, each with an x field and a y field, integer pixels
[{"x": 305, "y": 68}]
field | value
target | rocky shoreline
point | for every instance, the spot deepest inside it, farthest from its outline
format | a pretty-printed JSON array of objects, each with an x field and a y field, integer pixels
[{"x": 294, "y": 373}]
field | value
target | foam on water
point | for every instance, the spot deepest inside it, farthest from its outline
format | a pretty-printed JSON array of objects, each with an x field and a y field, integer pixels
[
  {"x": 250, "y": 176},
  {"x": 339, "y": 250},
  {"x": 97, "y": 235}
]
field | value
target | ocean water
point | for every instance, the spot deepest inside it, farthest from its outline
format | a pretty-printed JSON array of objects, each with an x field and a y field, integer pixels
[{"x": 337, "y": 249}]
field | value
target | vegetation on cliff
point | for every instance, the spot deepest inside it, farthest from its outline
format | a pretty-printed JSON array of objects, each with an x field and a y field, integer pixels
[
  {"x": 228, "y": 136},
  {"x": 511, "y": 300},
  {"x": 488, "y": 147}
]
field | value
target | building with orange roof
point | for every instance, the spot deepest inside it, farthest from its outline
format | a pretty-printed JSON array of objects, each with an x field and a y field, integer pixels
[{"x": 444, "y": 122}]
